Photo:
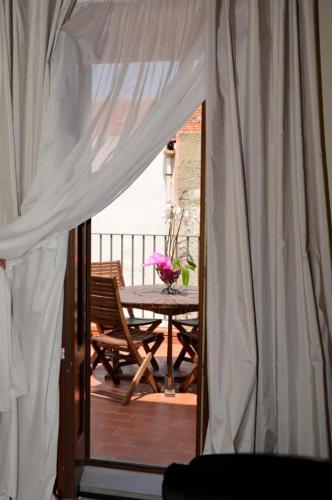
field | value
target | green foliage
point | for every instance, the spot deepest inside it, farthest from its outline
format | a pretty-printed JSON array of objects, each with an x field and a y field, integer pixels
[
  {"x": 174, "y": 217},
  {"x": 176, "y": 263},
  {"x": 191, "y": 264},
  {"x": 185, "y": 275},
  {"x": 186, "y": 264}
]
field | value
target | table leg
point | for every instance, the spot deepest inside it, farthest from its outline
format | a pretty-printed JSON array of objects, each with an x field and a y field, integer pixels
[{"x": 169, "y": 381}]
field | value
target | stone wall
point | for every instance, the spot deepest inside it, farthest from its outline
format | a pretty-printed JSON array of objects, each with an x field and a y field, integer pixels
[{"x": 187, "y": 177}]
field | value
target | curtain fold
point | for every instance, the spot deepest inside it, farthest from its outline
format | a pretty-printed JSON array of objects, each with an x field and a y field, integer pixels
[
  {"x": 113, "y": 106},
  {"x": 35, "y": 29},
  {"x": 28, "y": 31},
  {"x": 269, "y": 254},
  {"x": 84, "y": 109},
  {"x": 8, "y": 188},
  {"x": 122, "y": 78}
]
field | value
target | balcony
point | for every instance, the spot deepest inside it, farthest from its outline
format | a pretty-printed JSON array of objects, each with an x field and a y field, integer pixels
[
  {"x": 133, "y": 249},
  {"x": 153, "y": 429}
]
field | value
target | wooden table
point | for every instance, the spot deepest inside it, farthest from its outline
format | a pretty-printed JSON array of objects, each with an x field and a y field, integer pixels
[{"x": 150, "y": 298}]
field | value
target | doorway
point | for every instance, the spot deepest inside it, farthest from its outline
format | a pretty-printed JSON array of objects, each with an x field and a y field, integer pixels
[
  {"x": 154, "y": 430},
  {"x": 77, "y": 449}
]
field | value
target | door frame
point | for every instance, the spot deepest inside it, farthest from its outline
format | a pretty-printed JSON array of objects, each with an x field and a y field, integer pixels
[
  {"x": 76, "y": 312},
  {"x": 74, "y": 411},
  {"x": 202, "y": 417}
]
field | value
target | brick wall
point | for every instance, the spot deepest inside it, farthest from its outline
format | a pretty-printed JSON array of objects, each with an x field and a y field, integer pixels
[{"x": 194, "y": 124}]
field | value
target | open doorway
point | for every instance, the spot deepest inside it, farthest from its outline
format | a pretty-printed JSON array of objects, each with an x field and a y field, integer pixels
[{"x": 154, "y": 429}]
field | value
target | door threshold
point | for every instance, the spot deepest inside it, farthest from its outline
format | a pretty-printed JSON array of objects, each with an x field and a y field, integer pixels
[{"x": 119, "y": 483}]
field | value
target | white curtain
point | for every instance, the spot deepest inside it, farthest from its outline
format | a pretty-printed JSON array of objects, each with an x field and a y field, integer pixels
[
  {"x": 123, "y": 77},
  {"x": 8, "y": 191},
  {"x": 269, "y": 254},
  {"x": 27, "y": 34}
]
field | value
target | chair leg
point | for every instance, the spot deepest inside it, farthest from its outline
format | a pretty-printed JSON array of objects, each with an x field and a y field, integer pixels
[
  {"x": 147, "y": 374},
  {"x": 157, "y": 343},
  {"x": 191, "y": 352},
  {"x": 115, "y": 362},
  {"x": 94, "y": 361},
  {"x": 186, "y": 349},
  {"x": 180, "y": 358},
  {"x": 111, "y": 372},
  {"x": 190, "y": 379},
  {"x": 136, "y": 380},
  {"x": 153, "y": 361},
  {"x": 153, "y": 327}
]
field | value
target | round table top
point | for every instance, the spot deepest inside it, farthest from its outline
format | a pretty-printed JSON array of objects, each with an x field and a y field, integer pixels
[{"x": 149, "y": 297}]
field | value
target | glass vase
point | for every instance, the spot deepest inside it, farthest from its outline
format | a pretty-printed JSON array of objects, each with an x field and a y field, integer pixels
[{"x": 170, "y": 278}]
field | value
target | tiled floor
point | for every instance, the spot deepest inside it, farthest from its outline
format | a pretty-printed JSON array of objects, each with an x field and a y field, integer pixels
[{"x": 153, "y": 429}]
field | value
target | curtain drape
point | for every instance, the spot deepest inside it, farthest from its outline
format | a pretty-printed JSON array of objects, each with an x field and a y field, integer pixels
[
  {"x": 28, "y": 31},
  {"x": 123, "y": 77},
  {"x": 269, "y": 254},
  {"x": 8, "y": 189},
  {"x": 83, "y": 112}
]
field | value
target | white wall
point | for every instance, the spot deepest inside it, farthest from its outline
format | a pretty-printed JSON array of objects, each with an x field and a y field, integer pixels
[{"x": 139, "y": 210}]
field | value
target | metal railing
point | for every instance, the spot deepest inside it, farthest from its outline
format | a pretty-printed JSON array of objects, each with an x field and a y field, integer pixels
[{"x": 133, "y": 249}]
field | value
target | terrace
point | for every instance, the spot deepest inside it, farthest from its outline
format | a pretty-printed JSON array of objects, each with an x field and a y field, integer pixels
[
  {"x": 132, "y": 250},
  {"x": 154, "y": 429}
]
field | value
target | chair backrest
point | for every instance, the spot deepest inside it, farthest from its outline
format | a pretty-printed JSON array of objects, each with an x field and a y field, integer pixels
[
  {"x": 106, "y": 309},
  {"x": 111, "y": 268}
]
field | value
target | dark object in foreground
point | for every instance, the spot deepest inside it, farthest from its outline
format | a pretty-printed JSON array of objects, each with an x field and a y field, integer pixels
[{"x": 243, "y": 477}]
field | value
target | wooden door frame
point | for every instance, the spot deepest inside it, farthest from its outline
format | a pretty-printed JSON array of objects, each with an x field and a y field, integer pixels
[
  {"x": 202, "y": 396},
  {"x": 73, "y": 435},
  {"x": 67, "y": 372}
]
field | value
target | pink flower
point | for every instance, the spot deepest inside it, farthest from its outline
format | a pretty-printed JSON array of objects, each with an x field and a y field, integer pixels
[
  {"x": 158, "y": 259},
  {"x": 184, "y": 260}
]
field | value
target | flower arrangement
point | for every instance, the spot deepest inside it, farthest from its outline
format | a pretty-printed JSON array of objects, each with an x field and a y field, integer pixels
[{"x": 169, "y": 266}]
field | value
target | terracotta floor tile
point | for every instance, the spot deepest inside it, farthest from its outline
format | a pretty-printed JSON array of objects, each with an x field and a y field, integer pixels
[
  {"x": 137, "y": 434},
  {"x": 184, "y": 423},
  {"x": 153, "y": 429}
]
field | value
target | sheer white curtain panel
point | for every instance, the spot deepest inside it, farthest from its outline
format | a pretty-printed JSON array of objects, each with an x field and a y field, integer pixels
[
  {"x": 28, "y": 32},
  {"x": 123, "y": 77},
  {"x": 269, "y": 254}
]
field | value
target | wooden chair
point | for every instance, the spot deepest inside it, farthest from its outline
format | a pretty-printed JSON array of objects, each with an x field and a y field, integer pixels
[
  {"x": 113, "y": 268},
  {"x": 191, "y": 378},
  {"x": 188, "y": 339},
  {"x": 117, "y": 340}
]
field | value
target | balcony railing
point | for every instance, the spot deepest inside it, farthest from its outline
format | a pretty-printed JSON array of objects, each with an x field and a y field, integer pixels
[{"x": 133, "y": 249}]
